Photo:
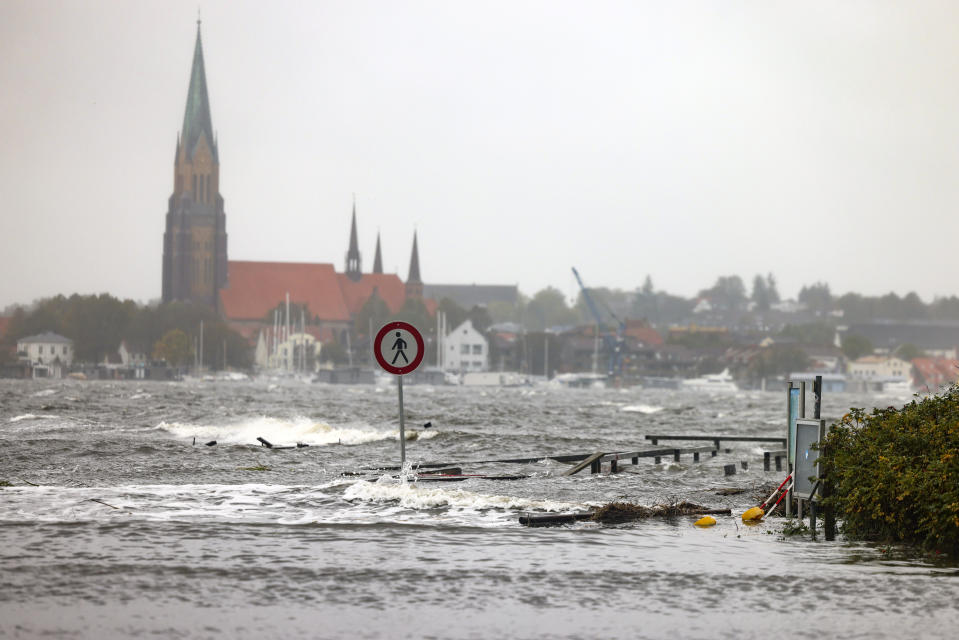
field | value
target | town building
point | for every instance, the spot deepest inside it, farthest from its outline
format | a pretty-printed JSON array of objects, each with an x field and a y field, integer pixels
[
  {"x": 48, "y": 354},
  {"x": 879, "y": 367},
  {"x": 465, "y": 349},
  {"x": 932, "y": 374},
  {"x": 472, "y": 295}
]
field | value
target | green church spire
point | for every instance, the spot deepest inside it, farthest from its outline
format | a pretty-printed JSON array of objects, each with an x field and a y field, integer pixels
[{"x": 196, "y": 118}]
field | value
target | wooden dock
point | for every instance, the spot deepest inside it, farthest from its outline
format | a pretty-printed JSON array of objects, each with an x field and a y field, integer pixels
[{"x": 716, "y": 440}]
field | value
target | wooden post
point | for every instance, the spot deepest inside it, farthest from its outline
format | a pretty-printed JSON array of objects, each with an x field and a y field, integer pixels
[
  {"x": 676, "y": 455},
  {"x": 613, "y": 467},
  {"x": 636, "y": 460},
  {"x": 766, "y": 456},
  {"x": 695, "y": 456}
]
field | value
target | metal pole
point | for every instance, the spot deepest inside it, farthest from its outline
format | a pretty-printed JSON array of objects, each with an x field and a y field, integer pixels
[
  {"x": 802, "y": 399},
  {"x": 399, "y": 386},
  {"x": 817, "y": 397}
]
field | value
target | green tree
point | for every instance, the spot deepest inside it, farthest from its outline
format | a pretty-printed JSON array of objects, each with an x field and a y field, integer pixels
[
  {"x": 548, "y": 309},
  {"x": 647, "y": 289},
  {"x": 777, "y": 360},
  {"x": 855, "y": 346},
  {"x": 771, "y": 289},
  {"x": 374, "y": 311},
  {"x": 760, "y": 293},
  {"x": 729, "y": 293},
  {"x": 414, "y": 311},
  {"x": 174, "y": 348},
  {"x": 816, "y": 297},
  {"x": 814, "y": 333},
  {"x": 480, "y": 318},
  {"x": 908, "y": 352}
]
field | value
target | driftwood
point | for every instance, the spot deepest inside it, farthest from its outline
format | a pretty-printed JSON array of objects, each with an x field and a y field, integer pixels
[
  {"x": 619, "y": 512},
  {"x": 616, "y": 512}
]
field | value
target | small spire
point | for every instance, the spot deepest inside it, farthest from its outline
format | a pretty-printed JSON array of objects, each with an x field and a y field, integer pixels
[
  {"x": 414, "y": 275},
  {"x": 378, "y": 257},
  {"x": 353, "y": 260},
  {"x": 414, "y": 285}
]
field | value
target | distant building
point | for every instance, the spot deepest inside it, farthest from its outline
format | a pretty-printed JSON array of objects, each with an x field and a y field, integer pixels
[
  {"x": 472, "y": 295},
  {"x": 194, "y": 243},
  {"x": 931, "y": 374},
  {"x": 465, "y": 349},
  {"x": 48, "y": 354},
  {"x": 879, "y": 367}
]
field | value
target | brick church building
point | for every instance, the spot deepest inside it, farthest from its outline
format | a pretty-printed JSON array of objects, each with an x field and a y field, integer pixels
[{"x": 195, "y": 264}]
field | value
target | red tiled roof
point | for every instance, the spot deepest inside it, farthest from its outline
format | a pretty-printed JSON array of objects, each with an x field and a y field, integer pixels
[
  {"x": 256, "y": 287},
  {"x": 935, "y": 371},
  {"x": 647, "y": 335},
  {"x": 388, "y": 286}
]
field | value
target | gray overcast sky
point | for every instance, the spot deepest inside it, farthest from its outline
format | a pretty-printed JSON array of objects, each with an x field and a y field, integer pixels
[{"x": 685, "y": 140}]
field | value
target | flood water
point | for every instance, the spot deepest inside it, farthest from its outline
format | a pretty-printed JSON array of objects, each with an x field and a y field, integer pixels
[{"x": 134, "y": 531}]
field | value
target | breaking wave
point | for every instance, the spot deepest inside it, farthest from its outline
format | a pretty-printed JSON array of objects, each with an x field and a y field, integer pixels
[
  {"x": 641, "y": 408},
  {"x": 412, "y": 495},
  {"x": 279, "y": 431}
]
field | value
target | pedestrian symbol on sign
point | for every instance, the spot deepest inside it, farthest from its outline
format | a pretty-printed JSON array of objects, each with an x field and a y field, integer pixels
[{"x": 399, "y": 347}]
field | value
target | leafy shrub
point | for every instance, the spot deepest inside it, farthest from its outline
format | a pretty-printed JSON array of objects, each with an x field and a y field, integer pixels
[{"x": 895, "y": 473}]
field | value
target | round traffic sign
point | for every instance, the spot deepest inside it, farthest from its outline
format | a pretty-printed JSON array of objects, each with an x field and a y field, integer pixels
[{"x": 399, "y": 348}]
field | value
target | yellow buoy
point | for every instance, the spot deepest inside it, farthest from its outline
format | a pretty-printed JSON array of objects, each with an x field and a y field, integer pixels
[
  {"x": 756, "y": 513},
  {"x": 705, "y": 521}
]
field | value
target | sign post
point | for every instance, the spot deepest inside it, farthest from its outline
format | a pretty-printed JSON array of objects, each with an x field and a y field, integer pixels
[{"x": 399, "y": 349}]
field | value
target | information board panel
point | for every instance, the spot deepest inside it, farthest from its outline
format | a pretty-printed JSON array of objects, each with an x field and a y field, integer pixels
[
  {"x": 808, "y": 433},
  {"x": 792, "y": 399}
]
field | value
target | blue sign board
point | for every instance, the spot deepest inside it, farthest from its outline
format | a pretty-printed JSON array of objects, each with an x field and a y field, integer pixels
[{"x": 793, "y": 416}]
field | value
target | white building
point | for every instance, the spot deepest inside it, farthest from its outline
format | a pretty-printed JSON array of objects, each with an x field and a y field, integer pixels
[
  {"x": 131, "y": 356},
  {"x": 465, "y": 349},
  {"x": 299, "y": 352},
  {"x": 879, "y": 367},
  {"x": 48, "y": 354}
]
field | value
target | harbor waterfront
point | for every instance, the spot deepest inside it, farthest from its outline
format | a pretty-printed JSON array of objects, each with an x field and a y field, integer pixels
[{"x": 122, "y": 522}]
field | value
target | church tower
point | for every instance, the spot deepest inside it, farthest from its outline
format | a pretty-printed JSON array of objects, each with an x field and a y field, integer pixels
[{"x": 194, "y": 243}]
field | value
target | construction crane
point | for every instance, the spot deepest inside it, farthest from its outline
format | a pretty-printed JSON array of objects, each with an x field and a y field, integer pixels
[{"x": 615, "y": 344}]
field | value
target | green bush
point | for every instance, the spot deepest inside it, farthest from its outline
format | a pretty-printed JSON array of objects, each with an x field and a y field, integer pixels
[{"x": 895, "y": 473}]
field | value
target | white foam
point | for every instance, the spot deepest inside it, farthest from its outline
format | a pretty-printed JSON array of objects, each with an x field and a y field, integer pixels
[
  {"x": 281, "y": 431},
  {"x": 44, "y": 392},
  {"x": 641, "y": 408},
  {"x": 32, "y": 416},
  {"x": 422, "y": 496}
]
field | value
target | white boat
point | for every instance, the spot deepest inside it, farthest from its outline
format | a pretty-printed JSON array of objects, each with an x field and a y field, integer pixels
[
  {"x": 711, "y": 382},
  {"x": 582, "y": 380},
  {"x": 897, "y": 386}
]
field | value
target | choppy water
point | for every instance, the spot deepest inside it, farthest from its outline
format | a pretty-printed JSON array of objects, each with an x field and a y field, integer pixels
[{"x": 240, "y": 541}]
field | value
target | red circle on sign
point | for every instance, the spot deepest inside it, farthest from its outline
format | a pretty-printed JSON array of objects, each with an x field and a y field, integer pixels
[{"x": 382, "y": 335}]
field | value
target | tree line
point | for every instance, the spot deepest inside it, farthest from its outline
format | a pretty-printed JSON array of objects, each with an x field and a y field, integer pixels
[{"x": 97, "y": 324}]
